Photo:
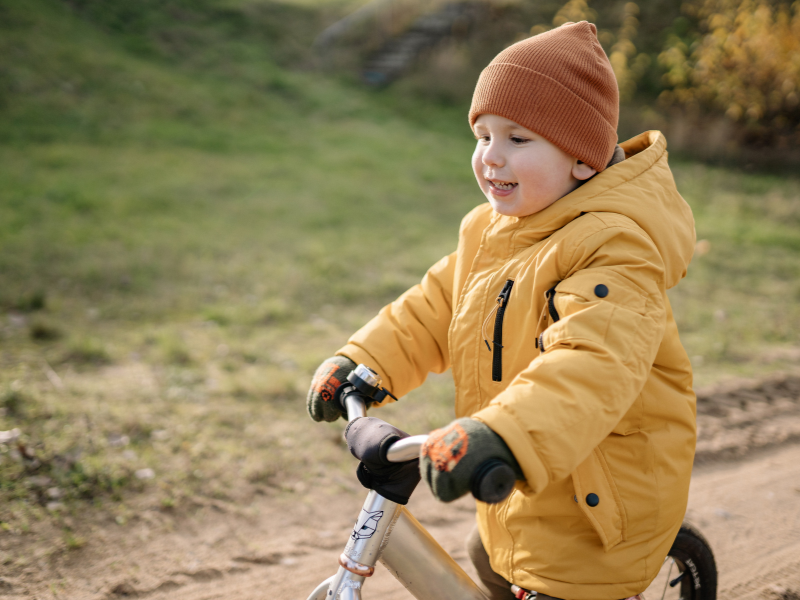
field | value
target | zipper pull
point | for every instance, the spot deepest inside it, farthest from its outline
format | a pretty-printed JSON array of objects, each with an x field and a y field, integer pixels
[
  {"x": 500, "y": 302},
  {"x": 505, "y": 292}
]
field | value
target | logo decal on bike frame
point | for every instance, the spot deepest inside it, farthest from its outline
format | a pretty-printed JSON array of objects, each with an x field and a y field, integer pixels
[{"x": 366, "y": 524}]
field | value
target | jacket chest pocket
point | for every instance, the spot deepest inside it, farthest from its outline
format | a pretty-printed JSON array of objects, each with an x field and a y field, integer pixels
[{"x": 599, "y": 500}]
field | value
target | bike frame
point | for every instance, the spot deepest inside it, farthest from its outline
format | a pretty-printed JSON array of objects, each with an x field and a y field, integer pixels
[{"x": 387, "y": 532}]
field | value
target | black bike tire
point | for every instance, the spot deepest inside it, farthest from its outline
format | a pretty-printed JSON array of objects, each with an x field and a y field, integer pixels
[{"x": 694, "y": 554}]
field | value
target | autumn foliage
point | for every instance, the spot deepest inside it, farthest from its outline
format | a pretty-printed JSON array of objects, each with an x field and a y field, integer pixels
[{"x": 743, "y": 62}]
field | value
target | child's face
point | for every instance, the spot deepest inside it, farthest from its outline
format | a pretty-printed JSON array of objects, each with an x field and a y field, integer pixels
[{"x": 519, "y": 171}]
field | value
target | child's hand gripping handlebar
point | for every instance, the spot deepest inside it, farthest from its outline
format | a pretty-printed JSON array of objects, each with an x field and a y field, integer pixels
[{"x": 389, "y": 456}]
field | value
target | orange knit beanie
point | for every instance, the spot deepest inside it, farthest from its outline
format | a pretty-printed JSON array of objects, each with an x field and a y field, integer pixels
[{"x": 559, "y": 84}]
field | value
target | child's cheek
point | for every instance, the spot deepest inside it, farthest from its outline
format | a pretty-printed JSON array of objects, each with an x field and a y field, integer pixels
[{"x": 477, "y": 168}]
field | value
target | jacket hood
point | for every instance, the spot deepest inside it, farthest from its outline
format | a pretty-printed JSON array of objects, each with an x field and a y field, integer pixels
[{"x": 642, "y": 188}]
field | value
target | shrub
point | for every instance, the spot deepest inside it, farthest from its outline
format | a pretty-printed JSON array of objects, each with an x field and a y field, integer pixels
[{"x": 744, "y": 62}]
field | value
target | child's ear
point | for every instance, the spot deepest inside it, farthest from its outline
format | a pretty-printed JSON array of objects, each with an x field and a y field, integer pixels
[{"x": 582, "y": 171}]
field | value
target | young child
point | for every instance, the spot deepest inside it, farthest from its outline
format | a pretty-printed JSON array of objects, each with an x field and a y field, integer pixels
[{"x": 554, "y": 317}]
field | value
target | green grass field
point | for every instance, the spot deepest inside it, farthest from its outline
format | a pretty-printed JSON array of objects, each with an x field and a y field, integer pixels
[{"x": 192, "y": 218}]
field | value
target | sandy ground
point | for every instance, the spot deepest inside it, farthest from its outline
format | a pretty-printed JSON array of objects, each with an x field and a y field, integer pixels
[{"x": 745, "y": 498}]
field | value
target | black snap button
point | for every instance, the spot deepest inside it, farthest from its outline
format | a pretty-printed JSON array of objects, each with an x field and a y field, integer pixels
[
  {"x": 600, "y": 290},
  {"x": 592, "y": 500}
]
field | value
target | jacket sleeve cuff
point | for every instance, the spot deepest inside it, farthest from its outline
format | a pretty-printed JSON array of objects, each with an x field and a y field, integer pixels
[
  {"x": 360, "y": 356},
  {"x": 518, "y": 440}
]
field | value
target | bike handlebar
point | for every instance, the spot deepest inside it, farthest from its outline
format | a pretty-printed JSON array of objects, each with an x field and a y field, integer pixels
[
  {"x": 492, "y": 481},
  {"x": 406, "y": 449},
  {"x": 356, "y": 407}
]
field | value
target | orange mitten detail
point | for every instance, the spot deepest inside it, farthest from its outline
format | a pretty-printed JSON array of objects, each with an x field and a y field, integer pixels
[
  {"x": 329, "y": 376},
  {"x": 451, "y": 456},
  {"x": 445, "y": 447},
  {"x": 325, "y": 381}
]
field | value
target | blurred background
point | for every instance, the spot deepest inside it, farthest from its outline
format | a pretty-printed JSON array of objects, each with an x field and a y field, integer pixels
[{"x": 201, "y": 199}]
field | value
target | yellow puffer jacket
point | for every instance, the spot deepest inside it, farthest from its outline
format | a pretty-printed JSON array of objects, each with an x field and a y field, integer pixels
[{"x": 591, "y": 390}]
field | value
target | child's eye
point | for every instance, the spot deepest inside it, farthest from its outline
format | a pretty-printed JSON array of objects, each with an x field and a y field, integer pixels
[
  {"x": 483, "y": 138},
  {"x": 519, "y": 140}
]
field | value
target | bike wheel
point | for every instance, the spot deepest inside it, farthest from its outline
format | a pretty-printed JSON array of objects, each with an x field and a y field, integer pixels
[{"x": 689, "y": 572}]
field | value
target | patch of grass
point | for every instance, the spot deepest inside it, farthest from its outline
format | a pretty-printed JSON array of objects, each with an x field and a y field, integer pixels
[
  {"x": 737, "y": 307},
  {"x": 44, "y": 331},
  {"x": 87, "y": 351},
  {"x": 31, "y": 302},
  {"x": 13, "y": 402},
  {"x": 72, "y": 541},
  {"x": 175, "y": 351}
]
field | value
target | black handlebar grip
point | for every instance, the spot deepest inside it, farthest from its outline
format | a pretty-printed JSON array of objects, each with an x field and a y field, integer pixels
[{"x": 493, "y": 481}]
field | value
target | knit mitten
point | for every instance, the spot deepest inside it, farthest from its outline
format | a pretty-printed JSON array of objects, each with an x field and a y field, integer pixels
[
  {"x": 330, "y": 375},
  {"x": 452, "y": 455}
]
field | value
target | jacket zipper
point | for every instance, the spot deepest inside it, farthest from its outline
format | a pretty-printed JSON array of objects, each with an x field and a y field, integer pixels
[
  {"x": 497, "y": 342},
  {"x": 551, "y": 308}
]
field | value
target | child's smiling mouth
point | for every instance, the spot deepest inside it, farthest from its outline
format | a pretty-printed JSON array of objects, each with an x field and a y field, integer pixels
[{"x": 501, "y": 188}]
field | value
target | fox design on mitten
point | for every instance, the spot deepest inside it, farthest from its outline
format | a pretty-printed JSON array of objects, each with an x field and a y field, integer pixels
[
  {"x": 446, "y": 447},
  {"x": 366, "y": 524}
]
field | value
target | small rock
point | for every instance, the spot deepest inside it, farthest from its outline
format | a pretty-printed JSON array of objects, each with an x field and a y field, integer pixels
[
  {"x": 129, "y": 455},
  {"x": 124, "y": 589},
  {"x": 55, "y": 493},
  {"x": 160, "y": 435},
  {"x": 777, "y": 589},
  {"x": 39, "y": 481},
  {"x": 723, "y": 514},
  {"x": 145, "y": 474},
  {"x": 11, "y": 436},
  {"x": 17, "y": 320},
  {"x": 118, "y": 441},
  {"x": 55, "y": 506}
]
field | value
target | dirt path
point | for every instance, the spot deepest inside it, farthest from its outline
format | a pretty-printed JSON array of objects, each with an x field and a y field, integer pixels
[{"x": 745, "y": 497}]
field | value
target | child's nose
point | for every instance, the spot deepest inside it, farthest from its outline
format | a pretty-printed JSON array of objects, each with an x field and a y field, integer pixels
[{"x": 492, "y": 157}]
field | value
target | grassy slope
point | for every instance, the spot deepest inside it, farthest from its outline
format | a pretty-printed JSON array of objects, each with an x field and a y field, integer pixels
[
  {"x": 202, "y": 232},
  {"x": 205, "y": 219}
]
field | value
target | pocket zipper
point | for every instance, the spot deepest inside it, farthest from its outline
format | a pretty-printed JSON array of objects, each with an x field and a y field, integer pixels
[
  {"x": 551, "y": 305},
  {"x": 497, "y": 342},
  {"x": 551, "y": 308}
]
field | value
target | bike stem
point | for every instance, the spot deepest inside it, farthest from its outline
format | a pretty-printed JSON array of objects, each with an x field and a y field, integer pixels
[{"x": 415, "y": 558}]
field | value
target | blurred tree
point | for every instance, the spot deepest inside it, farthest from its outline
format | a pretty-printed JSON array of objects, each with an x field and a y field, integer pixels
[
  {"x": 628, "y": 64},
  {"x": 743, "y": 61},
  {"x": 573, "y": 12}
]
